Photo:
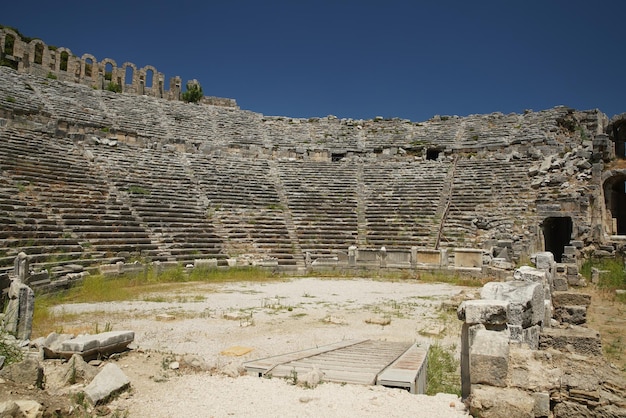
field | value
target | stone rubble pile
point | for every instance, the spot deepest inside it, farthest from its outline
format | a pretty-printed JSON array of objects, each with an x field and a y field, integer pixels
[{"x": 525, "y": 350}]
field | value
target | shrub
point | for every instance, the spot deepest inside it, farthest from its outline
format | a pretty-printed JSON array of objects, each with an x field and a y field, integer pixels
[
  {"x": 193, "y": 93},
  {"x": 114, "y": 87},
  {"x": 9, "y": 348}
]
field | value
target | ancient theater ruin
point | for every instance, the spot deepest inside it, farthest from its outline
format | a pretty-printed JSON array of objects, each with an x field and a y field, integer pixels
[{"x": 111, "y": 180}]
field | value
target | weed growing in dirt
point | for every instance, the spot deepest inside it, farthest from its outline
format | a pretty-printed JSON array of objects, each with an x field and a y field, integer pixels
[{"x": 443, "y": 371}]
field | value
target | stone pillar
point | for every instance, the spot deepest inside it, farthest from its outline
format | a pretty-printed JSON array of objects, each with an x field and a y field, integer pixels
[
  {"x": 383, "y": 257},
  {"x": 413, "y": 257},
  {"x": 18, "y": 315},
  {"x": 352, "y": 254},
  {"x": 21, "y": 267}
]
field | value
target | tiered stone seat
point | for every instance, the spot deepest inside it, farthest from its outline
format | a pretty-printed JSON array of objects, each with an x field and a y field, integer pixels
[
  {"x": 489, "y": 192},
  {"x": 17, "y": 94},
  {"x": 142, "y": 115},
  {"x": 71, "y": 213},
  {"x": 287, "y": 132},
  {"x": 330, "y": 133},
  {"x": 438, "y": 133},
  {"x": 244, "y": 202},
  {"x": 162, "y": 196},
  {"x": 188, "y": 122},
  {"x": 401, "y": 200},
  {"x": 236, "y": 127},
  {"x": 70, "y": 102},
  {"x": 323, "y": 201}
]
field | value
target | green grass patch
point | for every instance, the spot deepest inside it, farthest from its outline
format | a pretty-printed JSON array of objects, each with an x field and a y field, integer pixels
[
  {"x": 613, "y": 276},
  {"x": 443, "y": 371}
]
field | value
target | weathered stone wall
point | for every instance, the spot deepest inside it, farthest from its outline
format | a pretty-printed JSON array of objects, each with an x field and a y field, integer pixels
[
  {"x": 37, "y": 58},
  {"x": 526, "y": 351}
]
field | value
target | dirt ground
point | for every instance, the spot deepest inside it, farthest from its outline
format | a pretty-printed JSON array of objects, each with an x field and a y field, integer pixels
[
  {"x": 179, "y": 364},
  {"x": 194, "y": 325}
]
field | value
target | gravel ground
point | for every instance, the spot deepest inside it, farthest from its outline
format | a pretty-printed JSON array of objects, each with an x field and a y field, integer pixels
[{"x": 201, "y": 321}]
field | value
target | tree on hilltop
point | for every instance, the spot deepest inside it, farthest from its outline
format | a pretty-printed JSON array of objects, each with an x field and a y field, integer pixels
[{"x": 193, "y": 94}]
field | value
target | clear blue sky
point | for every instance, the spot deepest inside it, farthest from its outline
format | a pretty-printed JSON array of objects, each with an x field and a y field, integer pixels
[{"x": 358, "y": 59}]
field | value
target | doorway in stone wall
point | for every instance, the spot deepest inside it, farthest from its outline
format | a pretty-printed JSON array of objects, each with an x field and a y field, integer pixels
[
  {"x": 615, "y": 203},
  {"x": 557, "y": 233}
]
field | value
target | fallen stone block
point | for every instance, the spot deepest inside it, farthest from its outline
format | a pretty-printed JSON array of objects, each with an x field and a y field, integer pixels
[
  {"x": 51, "y": 345},
  {"x": 575, "y": 339},
  {"x": 526, "y": 300},
  {"x": 110, "y": 381},
  {"x": 483, "y": 311},
  {"x": 489, "y": 358},
  {"x": 103, "y": 344},
  {"x": 27, "y": 372},
  {"x": 530, "y": 274},
  {"x": 76, "y": 370}
]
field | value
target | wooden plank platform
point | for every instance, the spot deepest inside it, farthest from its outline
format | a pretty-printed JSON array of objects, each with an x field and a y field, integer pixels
[
  {"x": 408, "y": 371},
  {"x": 351, "y": 361}
]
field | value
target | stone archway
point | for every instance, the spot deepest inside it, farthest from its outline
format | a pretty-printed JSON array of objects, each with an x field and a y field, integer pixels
[
  {"x": 557, "y": 233},
  {"x": 615, "y": 203}
]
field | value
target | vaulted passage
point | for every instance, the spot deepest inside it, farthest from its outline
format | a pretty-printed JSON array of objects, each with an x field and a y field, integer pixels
[
  {"x": 557, "y": 233},
  {"x": 615, "y": 202}
]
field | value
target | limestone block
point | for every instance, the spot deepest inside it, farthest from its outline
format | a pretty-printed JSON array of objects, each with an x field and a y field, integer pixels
[
  {"x": 206, "y": 263},
  {"x": 544, "y": 260},
  {"x": 515, "y": 332},
  {"x": 577, "y": 280},
  {"x": 109, "y": 269},
  {"x": 575, "y": 339},
  {"x": 572, "y": 314},
  {"x": 530, "y": 274},
  {"x": 490, "y": 402},
  {"x": 103, "y": 343},
  {"x": 483, "y": 311},
  {"x": 542, "y": 404},
  {"x": 109, "y": 381},
  {"x": 561, "y": 298},
  {"x": 547, "y": 312},
  {"x": 530, "y": 336},
  {"x": 569, "y": 250},
  {"x": 559, "y": 284},
  {"x": 28, "y": 372},
  {"x": 527, "y": 295},
  {"x": 529, "y": 369},
  {"x": 489, "y": 358}
]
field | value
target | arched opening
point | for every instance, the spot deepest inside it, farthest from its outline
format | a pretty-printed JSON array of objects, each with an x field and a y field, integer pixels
[
  {"x": 149, "y": 78},
  {"x": 128, "y": 75},
  {"x": 108, "y": 71},
  {"x": 432, "y": 154},
  {"x": 615, "y": 203},
  {"x": 557, "y": 233},
  {"x": 9, "y": 44},
  {"x": 65, "y": 56},
  {"x": 38, "y": 54},
  {"x": 88, "y": 67}
]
